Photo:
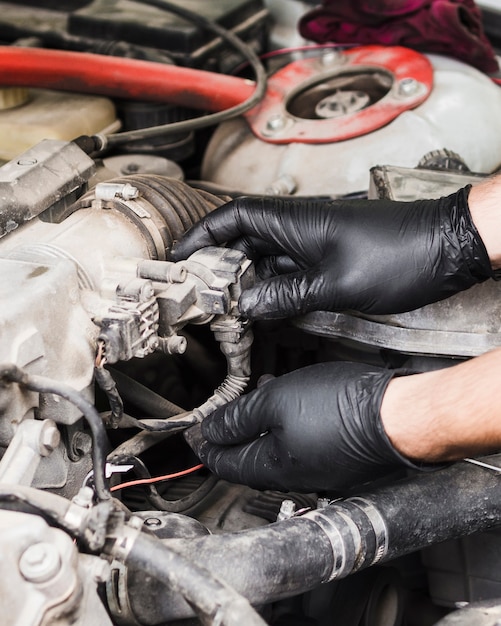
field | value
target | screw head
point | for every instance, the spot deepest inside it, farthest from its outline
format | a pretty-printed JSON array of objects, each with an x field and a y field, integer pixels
[
  {"x": 40, "y": 562},
  {"x": 176, "y": 344},
  {"x": 275, "y": 123},
  {"x": 128, "y": 192},
  {"x": 331, "y": 57},
  {"x": 408, "y": 87}
]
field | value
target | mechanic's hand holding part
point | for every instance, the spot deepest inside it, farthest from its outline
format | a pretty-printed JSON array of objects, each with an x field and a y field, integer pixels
[
  {"x": 332, "y": 426},
  {"x": 372, "y": 256},
  {"x": 318, "y": 428}
]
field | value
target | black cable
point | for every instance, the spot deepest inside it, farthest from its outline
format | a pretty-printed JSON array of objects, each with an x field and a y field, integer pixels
[
  {"x": 231, "y": 194},
  {"x": 105, "y": 381},
  {"x": 41, "y": 384},
  {"x": 118, "y": 139},
  {"x": 151, "y": 424},
  {"x": 141, "y": 442}
]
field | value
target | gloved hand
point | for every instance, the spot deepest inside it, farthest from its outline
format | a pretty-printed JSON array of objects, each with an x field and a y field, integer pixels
[
  {"x": 315, "y": 429},
  {"x": 372, "y": 256}
]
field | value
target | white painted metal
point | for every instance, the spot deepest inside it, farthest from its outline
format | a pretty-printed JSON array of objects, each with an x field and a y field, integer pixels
[{"x": 463, "y": 114}]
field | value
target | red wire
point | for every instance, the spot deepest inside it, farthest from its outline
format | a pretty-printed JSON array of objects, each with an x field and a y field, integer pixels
[{"x": 145, "y": 481}]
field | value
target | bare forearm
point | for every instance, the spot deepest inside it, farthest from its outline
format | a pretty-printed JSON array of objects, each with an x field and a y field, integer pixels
[
  {"x": 446, "y": 414},
  {"x": 484, "y": 201}
]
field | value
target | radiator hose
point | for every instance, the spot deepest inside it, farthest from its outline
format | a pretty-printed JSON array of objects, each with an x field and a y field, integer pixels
[{"x": 294, "y": 556}]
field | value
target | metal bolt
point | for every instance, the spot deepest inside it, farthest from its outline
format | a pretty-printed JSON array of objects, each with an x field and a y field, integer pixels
[
  {"x": 287, "y": 510},
  {"x": 408, "y": 87},
  {"x": 81, "y": 443},
  {"x": 109, "y": 191},
  {"x": 40, "y": 562},
  {"x": 276, "y": 123},
  {"x": 331, "y": 57},
  {"x": 49, "y": 438},
  {"x": 176, "y": 344}
]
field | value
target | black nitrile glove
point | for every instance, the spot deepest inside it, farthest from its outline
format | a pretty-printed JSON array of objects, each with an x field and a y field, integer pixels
[
  {"x": 372, "y": 256},
  {"x": 317, "y": 428}
]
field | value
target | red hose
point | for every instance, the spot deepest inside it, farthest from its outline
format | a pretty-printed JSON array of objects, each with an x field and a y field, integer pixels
[{"x": 121, "y": 78}]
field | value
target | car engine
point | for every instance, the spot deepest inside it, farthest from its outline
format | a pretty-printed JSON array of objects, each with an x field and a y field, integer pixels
[{"x": 121, "y": 125}]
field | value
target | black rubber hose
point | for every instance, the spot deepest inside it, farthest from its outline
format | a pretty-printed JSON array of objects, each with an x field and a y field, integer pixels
[
  {"x": 292, "y": 557},
  {"x": 178, "y": 205},
  {"x": 149, "y": 424},
  {"x": 149, "y": 402},
  {"x": 185, "y": 504},
  {"x": 211, "y": 598},
  {"x": 100, "y": 444},
  {"x": 106, "y": 383},
  {"x": 141, "y": 442}
]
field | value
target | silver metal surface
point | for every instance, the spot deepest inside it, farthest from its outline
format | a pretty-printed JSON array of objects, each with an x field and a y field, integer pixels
[
  {"x": 378, "y": 526},
  {"x": 418, "y": 332},
  {"x": 33, "y": 440},
  {"x": 461, "y": 114}
]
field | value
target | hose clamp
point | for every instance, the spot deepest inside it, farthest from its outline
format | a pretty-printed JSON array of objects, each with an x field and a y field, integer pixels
[
  {"x": 378, "y": 526},
  {"x": 343, "y": 536},
  {"x": 118, "y": 597},
  {"x": 121, "y": 540}
]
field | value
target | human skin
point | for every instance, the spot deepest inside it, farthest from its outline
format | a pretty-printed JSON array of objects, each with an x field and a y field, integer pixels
[{"x": 451, "y": 413}]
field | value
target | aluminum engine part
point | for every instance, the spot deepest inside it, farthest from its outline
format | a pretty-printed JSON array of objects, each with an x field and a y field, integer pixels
[
  {"x": 32, "y": 441},
  {"x": 95, "y": 249},
  {"x": 49, "y": 582},
  {"x": 90, "y": 281},
  {"x": 459, "y": 114},
  {"x": 51, "y": 174},
  {"x": 454, "y": 327},
  {"x": 46, "y": 330}
]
